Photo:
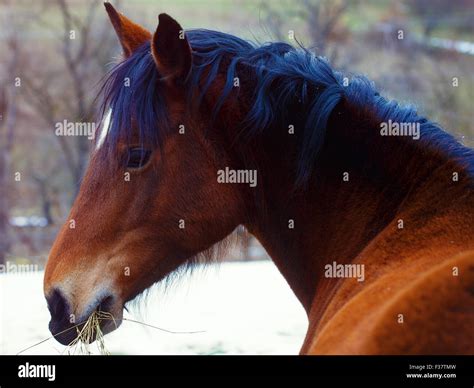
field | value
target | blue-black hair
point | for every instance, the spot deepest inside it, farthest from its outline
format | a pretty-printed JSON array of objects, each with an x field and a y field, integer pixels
[{"x": 282, "y": 74}]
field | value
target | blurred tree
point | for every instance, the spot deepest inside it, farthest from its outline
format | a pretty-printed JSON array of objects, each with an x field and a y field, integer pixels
[
  {"x": 64, "y": 90},
  {"x": 45, "y": 198},
  {"x": 321, "y": 20},
  {"x": 437, "y": 13},
  {"x": 8, "y": 114}
]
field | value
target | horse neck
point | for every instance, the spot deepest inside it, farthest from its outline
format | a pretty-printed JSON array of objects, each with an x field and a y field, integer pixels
[{"x": 335, "y": 219}]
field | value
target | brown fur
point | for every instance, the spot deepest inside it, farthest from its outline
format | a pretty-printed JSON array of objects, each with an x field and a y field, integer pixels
[{"x": 131, "y": 35}]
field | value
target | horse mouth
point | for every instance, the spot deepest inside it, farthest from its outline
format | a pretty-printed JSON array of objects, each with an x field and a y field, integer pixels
[{"x": 100, "y": 320}]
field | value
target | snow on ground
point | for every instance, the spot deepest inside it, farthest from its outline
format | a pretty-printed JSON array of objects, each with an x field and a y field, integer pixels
[{"x": 244, "y": 308}]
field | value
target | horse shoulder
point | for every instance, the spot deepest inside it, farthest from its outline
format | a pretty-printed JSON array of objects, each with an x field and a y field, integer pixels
[{"x": 432, "y": 314}]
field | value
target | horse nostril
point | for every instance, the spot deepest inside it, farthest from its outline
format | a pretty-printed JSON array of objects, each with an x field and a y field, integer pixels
[
  {"x": 106, "y": 304},
  {"x": 57, "y": 305}
]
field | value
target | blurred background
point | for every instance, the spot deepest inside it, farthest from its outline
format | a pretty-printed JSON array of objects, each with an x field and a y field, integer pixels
[{"x": 55, "y": 52}]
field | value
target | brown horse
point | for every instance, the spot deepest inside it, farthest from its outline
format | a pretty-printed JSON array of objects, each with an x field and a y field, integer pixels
[{"x": 365, "y": 207}]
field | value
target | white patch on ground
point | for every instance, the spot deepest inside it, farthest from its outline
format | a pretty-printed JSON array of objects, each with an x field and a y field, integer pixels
[{"x": 244, "y": 308}]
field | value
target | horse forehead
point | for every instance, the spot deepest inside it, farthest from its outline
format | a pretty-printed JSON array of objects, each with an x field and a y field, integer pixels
[{"x": 104, "y": 129}]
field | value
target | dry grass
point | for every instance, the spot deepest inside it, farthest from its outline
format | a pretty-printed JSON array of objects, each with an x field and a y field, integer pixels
[{"x": 90, "y": 331}]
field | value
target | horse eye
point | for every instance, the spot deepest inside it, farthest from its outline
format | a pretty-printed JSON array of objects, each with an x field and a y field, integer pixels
[{"x": 137, "y": 157}]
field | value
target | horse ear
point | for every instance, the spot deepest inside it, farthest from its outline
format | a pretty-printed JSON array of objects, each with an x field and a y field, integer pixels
[
  {"x": 131, "y": 35},
  {"x": 171, "y": 50}
]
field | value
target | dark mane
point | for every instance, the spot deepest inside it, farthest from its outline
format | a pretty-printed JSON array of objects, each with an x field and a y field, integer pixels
[{"x": 283, "y": 75}]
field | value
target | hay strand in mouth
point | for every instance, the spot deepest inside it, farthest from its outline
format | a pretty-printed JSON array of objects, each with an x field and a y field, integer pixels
[
  {"x": 161, "y": 329},
  {"x": 89, "y": 332},
  {"x": 101, "y": 315}
]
